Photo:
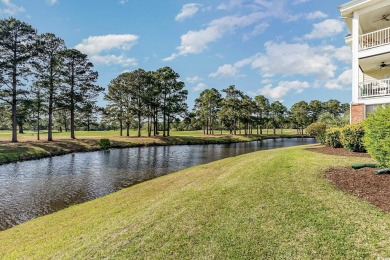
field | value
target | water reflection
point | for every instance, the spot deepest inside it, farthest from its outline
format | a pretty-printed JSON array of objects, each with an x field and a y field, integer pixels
[{"x": 35, "y": 188}]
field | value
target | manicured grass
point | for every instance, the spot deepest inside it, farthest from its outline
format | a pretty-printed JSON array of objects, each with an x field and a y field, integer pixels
[
  {"x": 31, "y": 135},
  {"x": 269, "y": 204}
]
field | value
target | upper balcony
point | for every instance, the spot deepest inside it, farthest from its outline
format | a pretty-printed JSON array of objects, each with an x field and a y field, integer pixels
[
  {"x": 374, "y": 39},
  {"x": 377, "y": 88}
]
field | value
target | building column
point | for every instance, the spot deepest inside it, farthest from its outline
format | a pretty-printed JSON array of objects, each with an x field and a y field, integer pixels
[{"x": 355, "y": 57}]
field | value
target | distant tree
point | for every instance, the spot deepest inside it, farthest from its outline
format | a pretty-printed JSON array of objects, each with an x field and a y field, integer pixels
[
  {"x": 118, "y": 98},
  {"x": 262, "y": 109},
  {"x": 24, "y": 113},
  {"x": 16, "y": 50},
  {"x": 277, "y": 115},
  {"x": 230, "y": 111},
  {"x": 207, "y": 107},
  {"x": 78, "y": 78},
  {"x": 88, "y": 114},
  {"x": 37, "y": 104},
  {"x": 345, "y": 107},
  {"x": 333, "y": 107},
  {"x": 316, "y": 108},
  {"x": 137, "y": 85},
  {"x": 172, "y": 96},
  {"x": 5, "y": 116},
  {"x": 248, "y": 108},
  {"x": 300, "y": 115},
  {"x": 47, "y": 67}
]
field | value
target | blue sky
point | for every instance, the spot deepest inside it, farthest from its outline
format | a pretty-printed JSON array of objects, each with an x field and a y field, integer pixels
[{"x": 288, "y": 50}]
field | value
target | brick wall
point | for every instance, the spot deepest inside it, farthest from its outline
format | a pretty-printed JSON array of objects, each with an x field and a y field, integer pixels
[{"x": 357, "y": 113}]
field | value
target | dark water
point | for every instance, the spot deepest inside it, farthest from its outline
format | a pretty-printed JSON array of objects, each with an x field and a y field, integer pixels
[{"x": 35, "y": 188}]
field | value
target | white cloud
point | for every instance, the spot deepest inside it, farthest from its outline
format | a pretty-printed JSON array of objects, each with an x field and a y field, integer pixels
[
  {"x": 232, "y": 70},
  {"x": 197, "y": 41},
  {"x": 113, "y": 59},
  {"x": 10, "y": 8},
  {"x": 193, "y": 79},
  {"x": 199, "y": 87},
  {"x": 122, "y": 2},
  {"x": 188, "y": 11},
  {"x": 226, "y": 70},
  {"x": 325, "y": 29},
  {"x": 344, "y": 81},
  {"x": 94, "y": 46},
  {"x": 283, "y": 88},
  {"x": 97, "y": 44},
  {"x": 259, "y": 29},
  {"x": 290, "y": 59},
  {"x": 316, "y": 15}
]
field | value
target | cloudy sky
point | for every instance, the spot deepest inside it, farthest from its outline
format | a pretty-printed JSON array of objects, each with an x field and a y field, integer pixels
[{"x": 288, "y": 50}]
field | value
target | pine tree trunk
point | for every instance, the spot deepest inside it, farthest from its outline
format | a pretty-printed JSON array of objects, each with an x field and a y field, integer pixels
[
  {"x": 121, "y": 127},
  {"x": 51, "y": 100},
  {"x": 38, "y": 123},
  {"x": 72, "y": 108},
  {"x": 20, "y": 128},
  {"x": 139, "y": 124},
  {"x": 169, "y": 125}
]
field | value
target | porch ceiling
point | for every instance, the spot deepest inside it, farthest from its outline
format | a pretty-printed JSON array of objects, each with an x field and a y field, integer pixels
[
  {"x": 372, "y": 63},
  {"x": 370, "y": 22}
]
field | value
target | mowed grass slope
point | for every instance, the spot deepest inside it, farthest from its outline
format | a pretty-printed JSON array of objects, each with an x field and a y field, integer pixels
[{"x": 267, "y": 204}]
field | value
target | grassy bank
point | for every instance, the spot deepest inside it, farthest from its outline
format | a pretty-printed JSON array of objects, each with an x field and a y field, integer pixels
[
  {"x": 267, "y": 204},
  {"x": 30, "y": 149}
]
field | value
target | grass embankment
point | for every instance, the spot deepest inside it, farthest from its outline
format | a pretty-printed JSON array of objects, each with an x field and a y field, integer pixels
[
  {"x": 29, "y": 148},
  {"x": 267, "y": 204}
]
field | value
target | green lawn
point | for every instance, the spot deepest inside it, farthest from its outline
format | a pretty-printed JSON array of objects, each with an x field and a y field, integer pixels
[
  {"x": 4, "y": 134},
  {"x": 269, "y": 204}
]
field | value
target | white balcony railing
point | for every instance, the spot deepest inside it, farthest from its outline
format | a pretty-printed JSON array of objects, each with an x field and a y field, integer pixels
[
  {"x": 374, "y": 39},
  {"x": 374, "y": 88}
]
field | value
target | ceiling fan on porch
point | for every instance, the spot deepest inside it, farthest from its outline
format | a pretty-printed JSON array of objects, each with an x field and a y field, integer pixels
[
  {"x": 385, "y": 17},
  {"x": 383, "y": 65}
]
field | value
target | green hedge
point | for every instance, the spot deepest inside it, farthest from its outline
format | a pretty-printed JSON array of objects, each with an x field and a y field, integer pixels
[
  {"x": 377, "y": 137},
  {"x": 352, "y": 137},
  {"x": 317, "y": 130},
  {"x": 332, "y": 138}
]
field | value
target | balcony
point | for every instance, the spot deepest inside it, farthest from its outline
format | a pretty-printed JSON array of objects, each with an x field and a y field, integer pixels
[
  {"x": 374, "y": 39},
  {"x": 378, "y": 88}
]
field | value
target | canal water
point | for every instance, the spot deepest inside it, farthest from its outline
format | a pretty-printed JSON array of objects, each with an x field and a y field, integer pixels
[{"x": 34, "y": 188}]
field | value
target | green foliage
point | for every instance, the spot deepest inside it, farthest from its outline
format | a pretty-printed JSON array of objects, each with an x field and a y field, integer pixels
[
  {"x": 332, "y": 138},
  {"x": 104, "y": 143},
  {"x": 317, "y": 130},
  {"x": 352, "y": 137},
  {"x": 334, "y": 121},
  {"x": 377, "y": 137}
]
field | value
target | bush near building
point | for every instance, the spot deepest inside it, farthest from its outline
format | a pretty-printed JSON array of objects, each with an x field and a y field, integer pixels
[
  {"x": 317, "y": 130},
  {"x": 332, "y": 138},
  {"x": 351, "y": 137},
  {"x": 377, "y": 136}
]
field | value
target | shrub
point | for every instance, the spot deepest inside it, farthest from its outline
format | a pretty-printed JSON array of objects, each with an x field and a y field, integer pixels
[
  {"x": 332, "y": 138},
  {"x": 377, "y": 137},
  {"x": 317, "y": 130},
  {"x": 104, "y": 143},
  {"x": 352, "y": 137}
]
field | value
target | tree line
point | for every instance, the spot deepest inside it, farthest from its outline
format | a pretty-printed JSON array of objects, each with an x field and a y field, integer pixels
[
  {"x": 238, "y": 112},
  {"x": 38, "y": 74},
  {"x": 45, "y": 86}
]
